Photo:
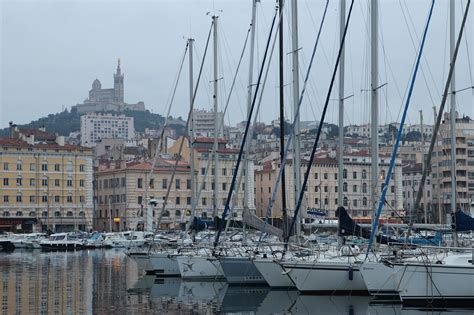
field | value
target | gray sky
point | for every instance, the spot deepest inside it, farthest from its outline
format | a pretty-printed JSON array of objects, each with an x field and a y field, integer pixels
[{"x": 51, "y": 51}]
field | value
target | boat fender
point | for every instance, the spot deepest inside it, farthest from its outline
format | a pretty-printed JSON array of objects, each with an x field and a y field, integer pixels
[
  {"x": 351, "y": 273},
  {"x": 439, "y": 262}
]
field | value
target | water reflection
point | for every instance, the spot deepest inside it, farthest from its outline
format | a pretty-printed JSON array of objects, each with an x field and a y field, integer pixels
[{"x": 107, "y": 282}]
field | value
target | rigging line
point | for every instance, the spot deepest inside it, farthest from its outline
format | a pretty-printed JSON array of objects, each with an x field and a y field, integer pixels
[
  {"x": 214, "y": 148},
  {"x": 399, "y": 133},
  {"x": 414, "y": 46},
  {"x": 178, "y": 156},
  {"x": 160, "y": 139},
  {"x": 320, "y": 127},
  {"x": 467, "y": 50},
  {"x": 276, "y": 185},
  {"x": 229, "y": 196},
  {"x": 440, "y": 112}
]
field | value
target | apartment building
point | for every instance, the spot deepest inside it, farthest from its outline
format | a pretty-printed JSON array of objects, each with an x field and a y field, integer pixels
[
  {"x": 441, "y": 165},
  {"x": 45, "y": 185},
  {"x": 204, "y": 123},
  {"x": 322, "y": 188},
  {"x": 97, "y": 126},
  {"x": 226, "y": 166},
  {"x": 411, "y": 179},
  {"x": 122, "y": 191}
]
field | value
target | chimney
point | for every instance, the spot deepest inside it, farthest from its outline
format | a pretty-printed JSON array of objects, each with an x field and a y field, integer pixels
[{"x": 60, "y": 141}]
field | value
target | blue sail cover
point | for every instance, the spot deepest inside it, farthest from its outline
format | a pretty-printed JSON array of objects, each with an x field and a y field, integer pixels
[
  {"x": 347, "y": 227},
  {"x": 462, "y": 222}
]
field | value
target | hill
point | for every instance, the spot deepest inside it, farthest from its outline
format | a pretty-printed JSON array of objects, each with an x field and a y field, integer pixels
[{"x": 66, "y": 122}]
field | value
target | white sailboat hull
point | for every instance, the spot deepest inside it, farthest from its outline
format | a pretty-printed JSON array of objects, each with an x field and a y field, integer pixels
[
  {"x": 200, "y": 268},
  {"x": 380, "y": 279},
  {"x": 273, "y": 273},
  {"x": 241, "y": 271},
  {"x": 326, "y": 277},
  {"x": 163, "y": 265},
  {"x": 436, "y": 282}
]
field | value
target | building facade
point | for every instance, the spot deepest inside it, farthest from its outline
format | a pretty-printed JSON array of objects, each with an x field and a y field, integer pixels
[
  {"x": 122, "y": 191},
  {"x": 322, "y": 188},
  {"x": 441, "y": 166},
  {"x": 411, "y": 178},
  {"x": 96, "y": 126},
  {"x": 204, "y": 123},
  {"x": 45, "y": 186}
]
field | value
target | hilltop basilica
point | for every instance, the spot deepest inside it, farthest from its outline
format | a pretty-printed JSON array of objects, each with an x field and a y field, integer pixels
[{"x": 107, "y": 99}]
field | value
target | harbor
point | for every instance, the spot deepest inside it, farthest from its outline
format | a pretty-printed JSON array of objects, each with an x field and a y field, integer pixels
[{"x": 108, "y": 282}]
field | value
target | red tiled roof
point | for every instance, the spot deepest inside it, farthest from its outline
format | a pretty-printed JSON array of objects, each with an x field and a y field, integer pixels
[
  {"x": 38, "y": 134},
  {"x": 17, "y": 143}
]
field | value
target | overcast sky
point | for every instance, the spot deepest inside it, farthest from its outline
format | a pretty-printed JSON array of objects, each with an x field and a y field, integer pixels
[{"x": 51, "y": 51}]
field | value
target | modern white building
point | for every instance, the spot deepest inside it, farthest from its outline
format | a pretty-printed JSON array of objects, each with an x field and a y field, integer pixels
[
  {"x": 95, "y": 127},
  {"x": 204, "y": 123}
]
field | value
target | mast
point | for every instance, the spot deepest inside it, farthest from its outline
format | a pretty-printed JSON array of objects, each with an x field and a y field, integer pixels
[
  {"x": 374, "y": 101},
  {"x": 296, "y": 93},
  {"x": 423, "y": 165},
  {"x": 216, "y": 125},
  {"x": 191, "y": 135},
  {"x": 282, "y": 121},
  {"x": 340, "y": 158},
  {"x": 440, "y": 216},
  {"x": 453, "y": 107},
  {"x": 249, "y": 105}
]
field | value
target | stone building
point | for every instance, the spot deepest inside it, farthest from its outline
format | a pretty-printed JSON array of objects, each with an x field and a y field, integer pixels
[
  {"x": 45, "y": 185},
  {"x": 322, "y": 188},
  {"x": 108, "y": 99},
  {"x": 122, "y": 191},
  {"x": 411, "y": 178}
]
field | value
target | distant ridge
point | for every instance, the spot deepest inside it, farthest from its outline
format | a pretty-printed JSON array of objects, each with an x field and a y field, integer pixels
[{"x": 66, "y": 122}]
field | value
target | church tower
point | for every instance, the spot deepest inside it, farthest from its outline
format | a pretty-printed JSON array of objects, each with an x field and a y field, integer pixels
[{"x": 118, "y": 84}]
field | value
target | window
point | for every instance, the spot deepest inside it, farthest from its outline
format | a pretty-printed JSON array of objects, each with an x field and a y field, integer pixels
[
  {"x": 224, "y": 186},
  {"x": 82, "y": 199},
  {"x": 188, "y": 184},
  {"x": 44, "y": 182},
  {"x": 203, "y": 171},
  {"x": 364, "y": 201},
  {"x": 316, "y": 201},
  {"x": 166, "y": 213},
  {"x": 81, "y": 183},
  {"x": 354, "y": 175},
  {"x": 354, "y": 202},
  {"x": 178, "y": 183},
  {"x": 56, "y": 182},
  {"x": 345, "y": 201},
  {"x": 335, "y": 189},
  {"x": 19, "y": 214},
  {"x": 56, "y": 167},
  {"x": 164, "y": 183},
  {"x": 44, "y": 198},
  {"x": 5, "y": 199},
  {"x": 32, "y": 167},
  {"x": 315, "y": 188},
  {"x": 392, "y": 189},
  {"x": 5, "y": 182},
  {"x": 354, "y": 188},
  {"x": 123, "y": 182},
  {"x": 44, "y": 166},
  {"x": 315, "y": 175},
  {"x": 204, "y": 215},
  {"x": 177, "y": 213},
  {"x": 32, "y": 199},
  {"x": 81, "y": 168},
  {"x": 212, "y": 171},
  {"x": 224, "y": 172},
  {"x": 69, "y": 183},
  {"x": 325, "y": 175},
  {"x": 5, "y": 166},
  {"x": 18, "y": 166},
  {"x": 326, "y": 189},
  {"x": 140, "y": 183},
  {"x": 204, "y": 201},
  {"x": 57, "y": 213},
  {"x": 56, "y": 199},
  {"x": 178, "y": 200},
  {"x": 326, "y": 201},
  {"x": 188, "y": 200},
  {"x": 19, "y": 181},
  {"x": 344, "y": 187},
  {"x": 344, "y": 174},
  {"x": 69, "y": 198},
  {"x": 32, "y": 182},
  {"x": 69, "y": 214},
  {"x": 140, "y": 200},
  {"x": 364, "y": 174},
  {"x": 18, "y": 198},
  {"x": 335, "y": 177},
  {"x": 152, "y": 183}
]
